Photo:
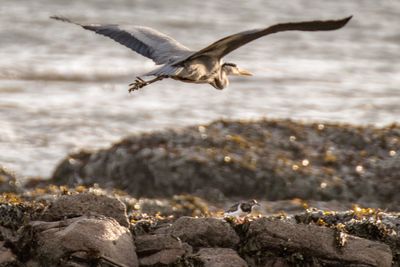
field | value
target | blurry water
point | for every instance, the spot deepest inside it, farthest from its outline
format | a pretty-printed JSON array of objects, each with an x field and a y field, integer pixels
[{"x": 63, "y": 88}]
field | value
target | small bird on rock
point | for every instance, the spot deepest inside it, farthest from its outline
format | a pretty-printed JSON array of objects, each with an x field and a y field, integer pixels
[{"x": 241, "y": 209}]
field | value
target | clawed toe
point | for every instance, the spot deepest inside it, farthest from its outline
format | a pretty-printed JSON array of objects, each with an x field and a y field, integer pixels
[{"x": 139, "y": 83}]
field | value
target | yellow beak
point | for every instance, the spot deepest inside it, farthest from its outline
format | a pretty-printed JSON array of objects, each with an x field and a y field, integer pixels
[{"x": 243, "y": 72}]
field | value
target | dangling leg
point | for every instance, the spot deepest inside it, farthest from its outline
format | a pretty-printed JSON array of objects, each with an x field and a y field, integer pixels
[{"x": 139, "y": 83}]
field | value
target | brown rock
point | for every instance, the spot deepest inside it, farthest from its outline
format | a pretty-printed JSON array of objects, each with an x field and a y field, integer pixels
[
  {"x": 159, "y": 249},
  {"x": 310, "y": 241},
  {"x": 146, "y": 244},
  {"x": 217, "y": 257},
  {"x": 162, "y": 258},
  {"x": 204, "y": 232},
  {"x": 7, "y": 258},
  {"x": 83, "y": 239},
  {"x": 277, "y": 262},
  {"x": 87, "y": 204}
]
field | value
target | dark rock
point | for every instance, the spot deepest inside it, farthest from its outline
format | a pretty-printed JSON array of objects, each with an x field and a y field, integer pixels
[
  {"x": 7, "y": 257},
  {"x": 86, "y": 204},
  {"x": 81, "y": 241},
  {"x": 8, "y": 181},
  {"x": 217, "y": 257},
  {"x": 262, "y": 159},
  {"x": 162, "y": 258},
  {"x": 147, "y": 244},
  {"x": 311, "y": 244},
  {"x": 204, "y": 232},
  {"x": 160, "y": 249},
  {"x": 278, "y": 262}
]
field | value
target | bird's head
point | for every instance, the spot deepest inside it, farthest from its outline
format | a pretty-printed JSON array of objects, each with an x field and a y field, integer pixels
[
  {"x": 232, "y": 69},
  {"x": 254, "y": 202}
]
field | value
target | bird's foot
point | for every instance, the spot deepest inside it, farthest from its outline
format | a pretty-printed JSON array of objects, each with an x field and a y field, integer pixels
[{"x": 139, "y": 83}]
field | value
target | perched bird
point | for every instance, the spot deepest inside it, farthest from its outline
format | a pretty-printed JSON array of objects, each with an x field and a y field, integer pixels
[
  {"x": 241, "y": 209},
  {"x": 204, "y": 66}
]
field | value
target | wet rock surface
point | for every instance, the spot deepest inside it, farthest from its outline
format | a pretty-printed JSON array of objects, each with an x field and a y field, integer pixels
[{"x": 265, "y": 159}]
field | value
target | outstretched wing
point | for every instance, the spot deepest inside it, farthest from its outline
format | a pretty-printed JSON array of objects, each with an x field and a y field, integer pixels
[
  {"x": 143, "y": 40},
  {"x": 226, "y": 45}
]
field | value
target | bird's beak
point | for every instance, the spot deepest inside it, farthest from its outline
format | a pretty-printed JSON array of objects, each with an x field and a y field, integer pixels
[{"x": 243, "y": 72}]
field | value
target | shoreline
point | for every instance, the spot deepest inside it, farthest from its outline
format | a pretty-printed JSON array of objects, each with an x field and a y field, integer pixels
[{"x": 328, "y": 195}]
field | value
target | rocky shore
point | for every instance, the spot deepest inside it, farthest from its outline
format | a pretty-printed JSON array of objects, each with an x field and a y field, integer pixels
[
  {"x": 60, "y": 226},
  {"x": 328, "y": 194}
]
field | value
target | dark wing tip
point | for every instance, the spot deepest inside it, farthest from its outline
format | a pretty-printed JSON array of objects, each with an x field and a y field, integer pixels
[
  {"x": 341, "y": 22},
  {"x": 60, "y": 18},
  {"x": 345, "y": 20}
]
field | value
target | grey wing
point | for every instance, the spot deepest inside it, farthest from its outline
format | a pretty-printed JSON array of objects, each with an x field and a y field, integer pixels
[
  {"x": 228, "y": 44},
  {"x": 143, "y": 40}
]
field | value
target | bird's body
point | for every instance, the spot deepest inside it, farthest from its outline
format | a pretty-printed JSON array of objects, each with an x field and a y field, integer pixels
[
  {"x": 204, "y": 66},
  {"x": 241, "y": 209}
]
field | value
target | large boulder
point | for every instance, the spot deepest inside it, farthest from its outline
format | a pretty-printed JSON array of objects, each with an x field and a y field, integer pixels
[
  {"x": 81, "y": 241},
  {"x": 312, "y": 244},
  {"x": 263, "y": 159},
  {"x": 204, "y": 232},
  {"x": 68, "y": 206}
]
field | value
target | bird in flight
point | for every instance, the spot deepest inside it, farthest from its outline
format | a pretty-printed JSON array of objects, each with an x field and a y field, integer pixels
[{"x": 180, "y": 63}]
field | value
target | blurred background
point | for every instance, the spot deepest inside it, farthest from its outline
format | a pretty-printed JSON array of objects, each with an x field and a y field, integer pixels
[{"x": 63, "y": 88}]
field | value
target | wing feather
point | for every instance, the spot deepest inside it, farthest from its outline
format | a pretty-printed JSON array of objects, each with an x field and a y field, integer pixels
[
  {"x": 230, "y": 43},
  {"x": 143, "y": 40}
]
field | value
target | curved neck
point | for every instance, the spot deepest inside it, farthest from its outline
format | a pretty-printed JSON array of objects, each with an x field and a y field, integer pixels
[{"x": 221, "y": 81}]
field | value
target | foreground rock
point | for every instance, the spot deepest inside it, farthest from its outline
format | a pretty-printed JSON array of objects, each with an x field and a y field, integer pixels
[
  {"x": 160, "y": 249},
  {"x": 83, "y": 241},
  {"x": 263, "y": 159},
  {"x": 204, "y": 232},
  {"x": 86, "y": 204},
  {"x": 35, "y": 232},
  {"x": 311, "y": 244},
  {"x": 217, "y": 257}
]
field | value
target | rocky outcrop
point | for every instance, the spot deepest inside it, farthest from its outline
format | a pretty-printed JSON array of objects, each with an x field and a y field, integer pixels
[
  {"x": 41, "y": 236},
  {"x": 263, "y": 159}
]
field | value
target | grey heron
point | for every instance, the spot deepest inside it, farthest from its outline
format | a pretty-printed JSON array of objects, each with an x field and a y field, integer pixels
[{"x": 181, "y": 63}]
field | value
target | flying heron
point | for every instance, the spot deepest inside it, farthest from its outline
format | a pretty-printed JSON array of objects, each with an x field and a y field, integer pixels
[{"x": 204, "y": 66}]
